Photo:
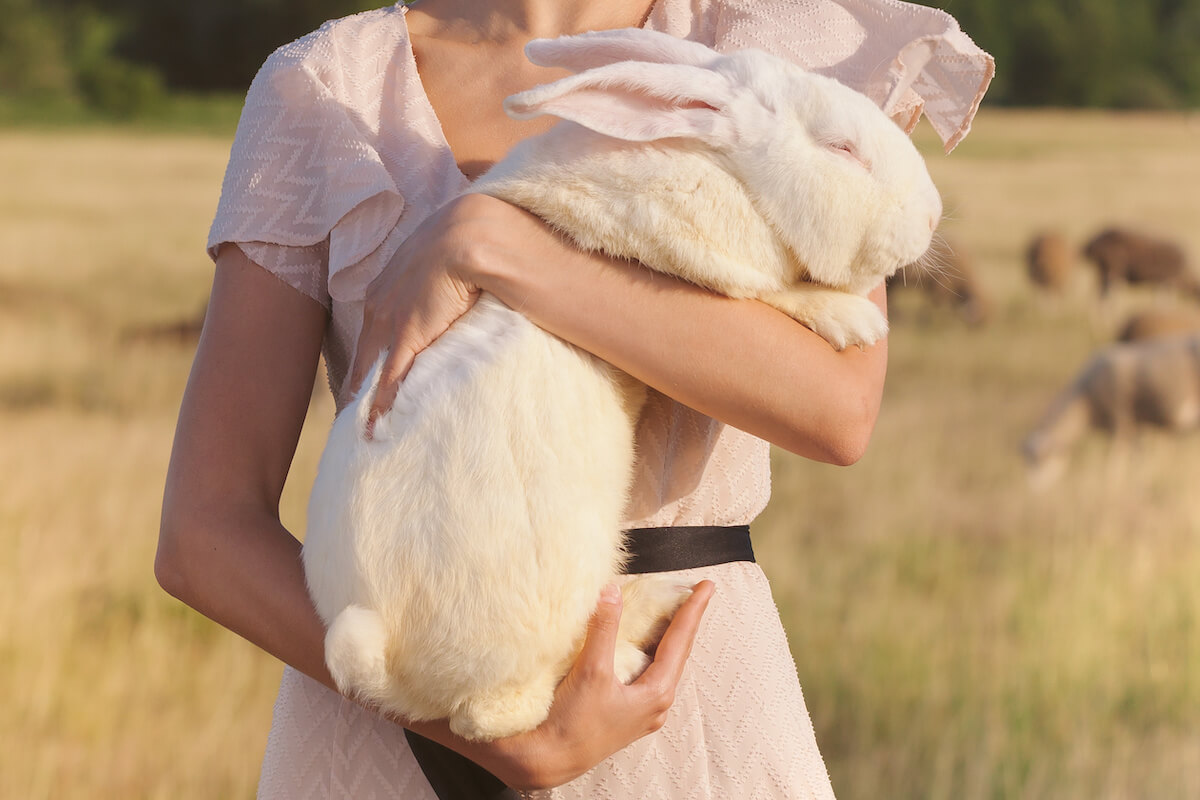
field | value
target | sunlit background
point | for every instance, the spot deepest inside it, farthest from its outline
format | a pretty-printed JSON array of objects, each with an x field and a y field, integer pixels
[{"x": 965, "y": 626}]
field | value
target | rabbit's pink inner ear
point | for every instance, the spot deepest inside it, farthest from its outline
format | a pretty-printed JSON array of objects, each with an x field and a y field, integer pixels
[
  {"x": 635, "y": 101},
  {"x": 630, "y": 115},
  {"x": 599, "y": 48}
]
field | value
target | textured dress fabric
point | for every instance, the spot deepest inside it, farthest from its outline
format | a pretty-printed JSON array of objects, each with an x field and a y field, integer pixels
[{"x": 339, "y": 156}]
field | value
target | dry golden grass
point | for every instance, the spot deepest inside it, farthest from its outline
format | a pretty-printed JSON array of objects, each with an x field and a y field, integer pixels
[
  {"x": 958, "y": 635},
  {"x": 110, "y": 688}
]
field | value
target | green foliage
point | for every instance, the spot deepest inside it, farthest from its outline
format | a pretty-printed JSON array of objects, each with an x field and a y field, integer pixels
[
  {"x": 218, "y": 44},
  {"x": 52, "y": 56},
  {"x": 117, "y": 58},
  {"x": 106, "y": 82},
  {"x": 33, "y": 61},
  {"x": 1089, "y": 53},
  {"x": 121, "y": 58}
]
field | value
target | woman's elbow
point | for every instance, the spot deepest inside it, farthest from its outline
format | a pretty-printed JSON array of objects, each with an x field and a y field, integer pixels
[
  {"x": 169, "y": 563},
  {"x": 849, "y": 446},
  {"x": 184, "y": 536},
  {"x": 840, "y": 438},
  {"x": 833, "y": 416}
]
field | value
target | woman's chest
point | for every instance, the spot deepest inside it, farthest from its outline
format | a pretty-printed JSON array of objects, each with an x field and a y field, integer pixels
[{"x": 466, "y": 87}]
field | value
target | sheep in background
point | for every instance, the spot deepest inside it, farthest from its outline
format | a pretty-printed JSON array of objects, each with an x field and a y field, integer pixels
[
  {"x": 1122, "y": 255},
  {"x": 1155, "y": 382},
  {"x": 179, "y": 332},
  {"x": 1159, "y": 322},
  {"x": 1050, "y": 261}
]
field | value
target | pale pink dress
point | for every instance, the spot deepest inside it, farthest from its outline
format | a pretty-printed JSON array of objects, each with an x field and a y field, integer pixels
[{"x": 339, "y": 156}]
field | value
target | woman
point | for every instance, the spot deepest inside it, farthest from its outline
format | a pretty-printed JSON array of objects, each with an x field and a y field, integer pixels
[{"x": 343, "y": 227}]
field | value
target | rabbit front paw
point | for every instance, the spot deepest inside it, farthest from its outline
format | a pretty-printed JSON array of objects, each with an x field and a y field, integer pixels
[
  {"x": 862, "y": 326},
  {"x": 840, "y": 318}
]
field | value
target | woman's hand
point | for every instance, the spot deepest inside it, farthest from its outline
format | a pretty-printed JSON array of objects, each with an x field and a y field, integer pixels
[
  {"x": 416, "y": 297},
  {"x": 594, "y": 715},
  {"x": 429, "y": 283}
]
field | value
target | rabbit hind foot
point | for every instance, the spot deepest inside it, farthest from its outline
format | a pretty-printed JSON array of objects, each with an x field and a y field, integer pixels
[
  {"x": 505, "y": 711},
  {"x": 648, "y": 603}
]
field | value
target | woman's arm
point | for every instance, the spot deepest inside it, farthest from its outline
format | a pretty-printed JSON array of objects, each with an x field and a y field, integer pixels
[
  {"x": 738, "y": 361},
  {"x": 223, "y": 550}
]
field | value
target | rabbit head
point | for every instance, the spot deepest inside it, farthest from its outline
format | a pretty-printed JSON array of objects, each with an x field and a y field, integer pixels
[{"x": 841, "y": 184}]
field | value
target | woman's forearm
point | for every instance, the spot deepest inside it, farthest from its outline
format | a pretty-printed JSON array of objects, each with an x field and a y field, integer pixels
[{"x": 739, "y": 361}]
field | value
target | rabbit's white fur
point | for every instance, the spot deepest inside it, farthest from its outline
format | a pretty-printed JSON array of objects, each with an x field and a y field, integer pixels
[{"x": 457, "y": 555}]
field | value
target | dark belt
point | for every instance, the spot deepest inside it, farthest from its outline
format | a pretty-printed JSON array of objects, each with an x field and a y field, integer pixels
[
  {"x": 685, "y": 547},
  {"x": 454, "y": 777}
]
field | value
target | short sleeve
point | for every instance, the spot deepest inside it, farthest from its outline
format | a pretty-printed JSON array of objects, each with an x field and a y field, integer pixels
[
  {"x": 909, "y": 59},
  {"x": 306, "y": 193}
]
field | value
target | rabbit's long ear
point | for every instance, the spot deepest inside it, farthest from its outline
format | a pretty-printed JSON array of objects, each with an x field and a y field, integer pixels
[
  {"x": 637, "y": 102},
  {"x": 599, "y": 48}
]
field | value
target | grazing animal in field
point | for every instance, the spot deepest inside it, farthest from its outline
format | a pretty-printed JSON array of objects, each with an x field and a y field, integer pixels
[
  {"x": 457, "y": 554},
  {"x": 952, "y": 280},
  {"x": 1154, "y": 382},
  {"x": 1125, "y": 256},
  {"x": 1159, "y": 322},
  {"x": 180, "y": 332},
  {"x": 1050, "y": 261}
]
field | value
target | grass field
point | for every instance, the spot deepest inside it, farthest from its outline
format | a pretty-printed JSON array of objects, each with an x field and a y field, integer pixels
[{"x": 958, "y": 635}]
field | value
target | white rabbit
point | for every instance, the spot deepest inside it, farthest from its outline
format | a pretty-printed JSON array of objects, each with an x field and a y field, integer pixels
[{"x": 457, "y": 555}]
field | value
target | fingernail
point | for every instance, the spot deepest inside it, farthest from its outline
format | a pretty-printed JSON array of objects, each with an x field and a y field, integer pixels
[{"x": 611, "y": 593}]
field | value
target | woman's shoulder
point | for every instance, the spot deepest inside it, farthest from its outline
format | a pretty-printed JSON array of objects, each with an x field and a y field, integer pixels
[
  {"x": 312, "y": 151},
  {"x": 344, "y": 49}
]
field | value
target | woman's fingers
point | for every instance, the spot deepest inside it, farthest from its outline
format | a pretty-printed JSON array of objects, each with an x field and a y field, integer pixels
[
  {"x": 397, "y": 359},
  {"x": 676, "y": 643},
  {"x": 406, "y": 309},
  {"x": 395, "y": 366},
  {"x": 406, "y": 326},
  {"x": 599, "y": 648},
  {"x": 365, "y": 354}
]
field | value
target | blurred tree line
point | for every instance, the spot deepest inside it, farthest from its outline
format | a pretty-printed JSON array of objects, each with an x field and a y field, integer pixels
[
  {"x": 1092, "y": 53},
  {"x": 118, "y": 56},
  {"x": 121, "y": 57}
]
